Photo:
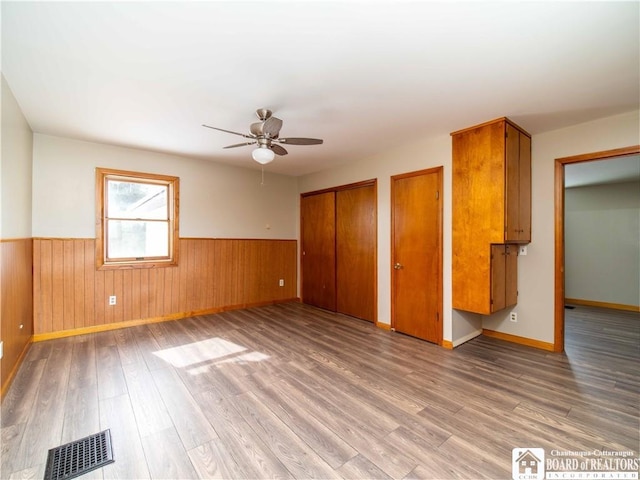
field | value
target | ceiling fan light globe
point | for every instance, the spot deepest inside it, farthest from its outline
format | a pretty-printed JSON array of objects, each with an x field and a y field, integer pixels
[{"x": 263, "y": 155}]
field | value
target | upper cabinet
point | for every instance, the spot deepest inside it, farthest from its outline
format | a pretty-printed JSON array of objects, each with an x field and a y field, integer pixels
[
  {"x": 492, "y": 181},
  {"x": 491, "y": 207}
]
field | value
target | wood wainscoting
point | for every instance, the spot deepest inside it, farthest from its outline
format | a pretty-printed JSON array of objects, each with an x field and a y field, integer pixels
[
  {"x": 71, "y": 296},
  {"x": 16, "y": 304}
]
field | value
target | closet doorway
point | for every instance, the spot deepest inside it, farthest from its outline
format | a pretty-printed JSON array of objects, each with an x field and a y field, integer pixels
[{"x": 339, "y": 249}]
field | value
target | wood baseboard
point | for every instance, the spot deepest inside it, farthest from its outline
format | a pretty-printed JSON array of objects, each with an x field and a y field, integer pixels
[
  {"x": 529, "y": 342},
  {"x": 12, "y": 374},
  {"x": 592, "y": 303},
  {"x": 41, "y": 337},
  {"x": 383, "y": 326}
]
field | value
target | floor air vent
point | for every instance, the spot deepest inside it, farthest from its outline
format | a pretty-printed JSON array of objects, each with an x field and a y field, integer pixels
[{"x": 77, "y": 458}]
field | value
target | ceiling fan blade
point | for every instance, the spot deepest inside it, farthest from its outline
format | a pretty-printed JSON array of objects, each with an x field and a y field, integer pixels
[
  {"x": 228, "y": 131},
  {"x": 240, "y": 144},
  {"x": 278, "y": 150},
  {"x": 300, "y": 141},
  {"x": 272, "y": 126}
]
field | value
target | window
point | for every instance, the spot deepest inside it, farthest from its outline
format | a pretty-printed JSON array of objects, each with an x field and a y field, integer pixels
[{"x": 136, "y": 219}]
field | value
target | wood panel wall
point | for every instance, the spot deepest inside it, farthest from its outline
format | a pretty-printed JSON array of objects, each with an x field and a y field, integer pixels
[
  {"x": 16, "y": 303},
  {"x": 212, "y": 275}
]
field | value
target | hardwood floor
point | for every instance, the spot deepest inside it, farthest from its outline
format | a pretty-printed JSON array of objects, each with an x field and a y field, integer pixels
[{"x": 289, "y": 391}]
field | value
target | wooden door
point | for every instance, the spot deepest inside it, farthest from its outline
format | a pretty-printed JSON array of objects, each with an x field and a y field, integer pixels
[
  {"x": 318, "y": 247},
  {"x": 416, "y": 271},
  {"x": 356, "y": 252}
]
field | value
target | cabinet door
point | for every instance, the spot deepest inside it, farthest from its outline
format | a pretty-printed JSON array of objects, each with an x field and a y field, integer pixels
[
  {"x": 498, "y": 277},
  {"x": 525, "y": 188},
  {"x": 512, "y": 185},
  {"x": 356, "y": 251},
  {"x": 510, "y": 275},
  {"x": 517, "y": 186},
  {"x": 319, "y": 250},
  {"x": 504, "y": 276}
]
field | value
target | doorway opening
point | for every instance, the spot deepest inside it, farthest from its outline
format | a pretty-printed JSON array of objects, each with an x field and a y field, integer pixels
[{"x": 559, "y": 216}]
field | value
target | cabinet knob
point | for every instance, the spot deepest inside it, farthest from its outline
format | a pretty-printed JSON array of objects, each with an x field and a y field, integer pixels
[{"x": 398, "y": 266}]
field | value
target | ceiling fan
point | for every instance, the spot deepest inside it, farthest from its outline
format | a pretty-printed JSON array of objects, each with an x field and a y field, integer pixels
[{"x": 265, "y": 134}]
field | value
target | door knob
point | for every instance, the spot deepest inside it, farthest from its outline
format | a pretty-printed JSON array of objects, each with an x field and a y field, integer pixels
[{"x": 397, "y": 266}]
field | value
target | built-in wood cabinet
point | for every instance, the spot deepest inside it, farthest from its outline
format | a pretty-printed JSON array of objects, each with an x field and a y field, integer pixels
[
  {"x": 491, "y": 213},
  {"x": 338, "y": 248}
]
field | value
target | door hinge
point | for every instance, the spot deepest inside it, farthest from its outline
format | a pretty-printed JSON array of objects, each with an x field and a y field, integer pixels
[{"x": 437, "y": 195}]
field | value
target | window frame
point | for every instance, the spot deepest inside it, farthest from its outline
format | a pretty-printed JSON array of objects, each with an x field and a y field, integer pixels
[{"x": 103, "y": 175}]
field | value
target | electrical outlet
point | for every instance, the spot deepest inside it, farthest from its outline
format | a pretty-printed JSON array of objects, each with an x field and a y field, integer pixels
[
  {"x": 112, "y": 300},
  {"x": 513, "y": 317},
  {"x": 281, "y": 282},
  {"x": 523, "y": 250}
]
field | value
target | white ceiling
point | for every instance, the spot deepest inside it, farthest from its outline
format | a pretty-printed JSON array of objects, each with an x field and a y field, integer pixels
[
  {"x": 361, "y": 75},
  {"x": 613, "y": 170}
]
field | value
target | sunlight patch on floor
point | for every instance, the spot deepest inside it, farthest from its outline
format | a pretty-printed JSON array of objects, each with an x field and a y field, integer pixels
[{"x": 212, "y": 350}]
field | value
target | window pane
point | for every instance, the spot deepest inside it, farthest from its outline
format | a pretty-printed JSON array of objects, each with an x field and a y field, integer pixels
[
  {"x": 136, "y": 200},
  {"x": 137, "y": 239}
]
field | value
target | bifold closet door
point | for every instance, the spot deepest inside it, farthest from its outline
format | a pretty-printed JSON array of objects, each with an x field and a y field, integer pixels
[
  {"x": 356, "y": 252},
  {"x": 318, "y": 222}
]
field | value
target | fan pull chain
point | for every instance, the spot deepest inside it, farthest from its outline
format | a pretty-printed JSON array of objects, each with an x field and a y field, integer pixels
[{"x": 262, "y": 182}]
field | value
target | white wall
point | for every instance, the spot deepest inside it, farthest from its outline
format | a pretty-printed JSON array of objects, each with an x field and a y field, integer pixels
[
  {"x": 15, "y": 169},
  {"x": 602, "y": 243},
  {"x": 535, "y": 271},
  {"x": 215, "y": 200}
]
